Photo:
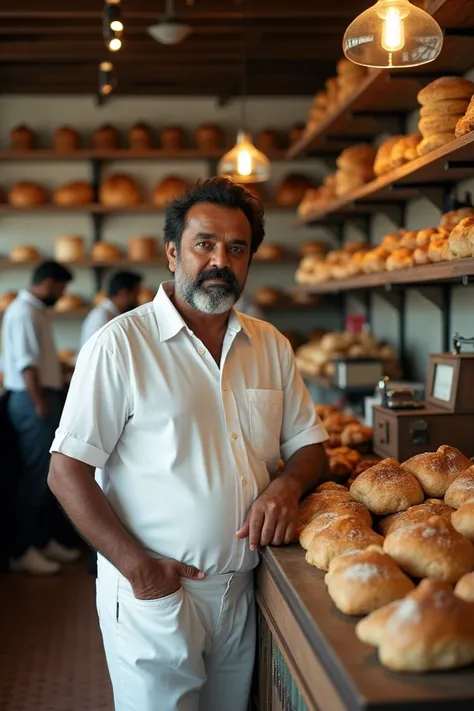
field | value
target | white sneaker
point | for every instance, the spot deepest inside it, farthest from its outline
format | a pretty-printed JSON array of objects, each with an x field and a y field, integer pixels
[
  {"x": 56, "y": 552},
  {"x": 34, "y": 563}
]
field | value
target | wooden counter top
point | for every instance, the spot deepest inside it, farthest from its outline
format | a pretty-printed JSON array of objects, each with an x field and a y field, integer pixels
[{"x": 352, "y": 667}]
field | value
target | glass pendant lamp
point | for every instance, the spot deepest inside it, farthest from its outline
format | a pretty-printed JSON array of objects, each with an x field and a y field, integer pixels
[{"x": 393, "y": 33}]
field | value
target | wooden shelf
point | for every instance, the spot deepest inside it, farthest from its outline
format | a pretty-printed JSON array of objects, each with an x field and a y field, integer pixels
[
  {"x": 427, "y": 274},
  {"x": 96, "y": 209},
  {"x": 401, "y": 184},
  {"x": 84, "y": 154},
  {"x": 8, "y": 264},
  {"x": 392, "y": 93}
]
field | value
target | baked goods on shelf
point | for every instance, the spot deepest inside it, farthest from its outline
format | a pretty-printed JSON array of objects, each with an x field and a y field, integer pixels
[
  {"x": 6, "y": 299},
  {"x": 450, "y": 220},
  {"x": 69, "y": 302},
  {"x": 415, "y": 514},
  {"x": 355, "y": 168},
  {"x": 444, "y": 103},
  {"x": 142, "y": 249},
  {"x": 465, "y": 587},
  {"x": 69, "y": 249},
  {"x": 27, "y": 194},
  {"x": 167, "y": 190},
  {"x": 269, "y": 251},
  {"x": 466, "y": 123},
  {"x": 318, "y": 198},
  {"x": 405, "y": 150},
  {"x": 105, "y": 252},
  {"x": 268, "y": 296},
  {"x": 437, "y": 470},
  {"x": 387, "y": 488},
  {"x": 291, "y": 190},
  {"x": 106, "y": 138},
  {"x": 140, "y": 137},
  {"x": 355, "y": 433},
  {"x": 432, "y": 548},
  {"x": 401, "y": 258},
  {"x": 22, "y": 138},
  {"x": 76, "y": 193},
  {"x": 461, "y": 489},
  {"x": 430, "y": 629},
  {"x": 120, "y": 190},
  {"x": 463, "y": 519},
  {"x": 24, "y": 253},
  {"x": 209, "y": 137},
  {"x": 344, "y": 535},
  {"x": 461, "y": 240},
  {"x": 66, "y": 140},
  {"x": 172, "y": 138},
  {"x": 362, "y": 582},
  {"x": 266, "y": 140},
  {"x": 383, "y": 159}
]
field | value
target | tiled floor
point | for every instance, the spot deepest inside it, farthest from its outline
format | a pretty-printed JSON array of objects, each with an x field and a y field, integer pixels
[{"x": 51, "y": 655}]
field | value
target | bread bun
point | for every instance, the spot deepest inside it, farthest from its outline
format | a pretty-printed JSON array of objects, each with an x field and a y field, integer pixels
[
  {"x": 330, "y": 486},
  {"x": 167, "y": 190},
  {"x": 324, "y": 502},
  {"x": 405, "y": 150},
  {"x": 409, "y": 239},
  {"x": 432, "y": 548},
  {"x": 66, "y": 140},
  {"x": 313, "y": 248},
  {"x": 267, "y": 296},
  {"x": 465, "y": 587},
  {"x": 6, "y": 299},
  {"x": 27, "y": 194},
  {"x": 120, "y": 191},
  {"x": 362, "y": 582},
  {"x": 383, "y": 159},
  {"x": 461, "y": 240},
  {"x": 209, "y": 137},
  {"x": 461, "y": 489},
  {"x": 430, "y": 629},
  {"x": 344, "y": 535},
  {"x": 375, "y": 260},
  {"x": 437, "y": 470},
  {"x": 431, "y": 143},
  {"x": 424, "y": 237},
  {"x": 292, "y": 189},
  {"x": 22, "y": 138},
  {"x": 145, "y": 295},
  {"x": 106, "y": 138},
  {"x": 450, "y": 107},
  {"x": 24, "y": 253},
  {"x": 340, "y": 467},
  {"x": 69, "y": 302},
  {"x": 335, "y": 509},
  {"x": 348, "y": 181},
  {"x": 415, "y": 514},
  {"x": 105, "y": 252},
  {"x": 466, "y": 122},
  {"x": 387, "y": 488},
  {"x": 446, "y": 88},
  {"x": 356, "y": 434},
  {"x": 463, "y": 519},
  {"x": 421, "y": 256},
  {"x": 140, "y": 137},
  {"x": 360, "y": 155},
  {"x": 69, "y": 249},
  {"x": 401, "y": 258},
  {"x": 267, "y": 140},
  {"x": 77, "y": 193},
  {"x": 431, "y": 125},
  {"x": 438, "y": 249},
  {"x": 172, "y": 138},
  {"x": 142, "y": 249},
  {"x": 269, "y": 251}
]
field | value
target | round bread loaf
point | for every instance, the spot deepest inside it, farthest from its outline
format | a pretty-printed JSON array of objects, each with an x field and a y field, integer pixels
[
  {"x": 141, "y": 249},
  {"x": 431, "y": 549},
  {"x": 461, "y": 489},
  {"x": 209, "y": 137},
  {"x": 292, "y": 189},
  {"x": 424, "y": 237},
  {"x": 431, "y": 143},
  {"x": 461, "y": 240},
  {"x": 404, "y": 149},
  {"x": 69, "y": 302},
  {"x": 140, "y": 137},
  {"x": 371, "y": 629},
  {"x": 383, "y": 159},
  {"x": 365, "y": 581},
  {"x": 330, "y": 486},
  {"x": 105, "y": 252},
  {"x": 391, "y": 242},
  {"x": 415, "y": 514},
  {"x": 106, "y": 138},
  {"x": 172, "y": 138},
  {"x": 409, "y": 240},
  {"x": 387, "y": 488},
  {"x": 450, "y": 107},
  {"x": 323, "y": 502},
  {"x": 331, "y": 513},
  {"x": 421, "y": 256},
  {"x": 375, "y": 260},
  {"x": 437, "y": 470},
  {"x": 438, "y": 249},
  {"x": 465, "y": 587},
  {"x": 24, "y": 253},
  {"x": 444, "y": 89},
  {"x": 431, "y": 125},
  {"x": 344, "y": 535},
  {"x": 22, "y": 138},
  {"x": 463, "y": 519},
  {"x": 66, "y": 139},
  {"x": 77, "y": 193},
  {"x": 167, "y": 190},
  {"x": 359, "y": 155},
  {"x": 26, "y": 194},
  {"x": 401, "y": 258},
  {"x": 120, "y": 190},
  {"x": 6, "y": 299},
  {"x": 451, "y": 219},
  {"x": 69, "y": 249}
]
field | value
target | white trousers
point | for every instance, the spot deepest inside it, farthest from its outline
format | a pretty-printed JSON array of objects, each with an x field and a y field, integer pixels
[{"x": 190, "y": 651}]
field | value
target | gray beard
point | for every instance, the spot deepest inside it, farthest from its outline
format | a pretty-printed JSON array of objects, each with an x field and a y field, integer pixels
[{"x": 213, "y": 300}]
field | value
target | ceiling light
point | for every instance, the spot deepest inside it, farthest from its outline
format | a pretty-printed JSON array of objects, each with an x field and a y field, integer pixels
[
  {"x": 114, "y": 44},
  {"x": 107, "y": 79},
  {"x": 393, "y": 33},
  {"x": 245, "y": 163},
  {"x": 170, "y": 30}
]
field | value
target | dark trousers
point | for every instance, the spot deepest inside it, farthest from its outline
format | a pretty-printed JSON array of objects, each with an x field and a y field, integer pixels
[{"x": 38, "y": 517}]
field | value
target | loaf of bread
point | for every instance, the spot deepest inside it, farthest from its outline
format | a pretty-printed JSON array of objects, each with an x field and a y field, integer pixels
[
  {"x": 375, "y": 260},
  {"x": 69, "y": 249},
  {"x": 209, "y": 137},
  {"x": 66, "y": 140},
  {"x": 69, "y": 302},
  {"x": 106, "y": 138},
  {"x": 76, "y": 193},
  {"x": 292, "y": 189},
  {"x": 437, "y": 470},
  {"x": 431, "y": 143},
  {"x": 362, "y": 582},
  {"x": 120, "y": 190},
  {"x": 405, "y": 150},
  {"x": 105, "y": 252},
  {"x": 167, "y": 190},
  {"x": 444, "y": 89},
  {"x": 344, "y": 535},
  {"x": 344, "y": 507},
  {"x": 140, "y": 137},
  {"x": 421, "y": 256},
  {"x": 172, "y": 138},
  {"x": 360, "y": 155},
  {"x": 463, "y": 519},
  {"x": 461, "y": 240},
  {"x": 432, "y": 548},
  {"x": 387, "y": 488},
  {"x": 6, "y": 299},
  {"x": 449, "y": 107},
  {"x": 142, "y": 249},
  {"x": 424, "y": 237},
  {"x": 330, "y": 486},
  {"x": 461, "y": 489},
  {"x": 415, "y": 514},
  {"x": 438, "y": 249},
  {"x": 430, "y": 629},
  {"x": 383, "y": 160},
  {"x": 432, "y": 125},
  {"x": 401, "y": 258},
  {"x": 27, "y": 194},
  {"x": 24, "y": 253},
  {"x": 22, "y": 138},
  {"x": 465, "y": 587},
  {"x": 323, "y": 502},
  {"x": 451, "y": 219}
]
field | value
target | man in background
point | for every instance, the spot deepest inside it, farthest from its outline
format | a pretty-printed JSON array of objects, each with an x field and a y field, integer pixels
[
  {"x": 122, "y": 296},
  {"x": 33, "y": 377}
]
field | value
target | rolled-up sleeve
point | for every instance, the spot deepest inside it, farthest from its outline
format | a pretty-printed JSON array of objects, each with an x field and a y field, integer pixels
[
  {"x": 96, "y": 409},
  {"x": 301, "y": 425}
]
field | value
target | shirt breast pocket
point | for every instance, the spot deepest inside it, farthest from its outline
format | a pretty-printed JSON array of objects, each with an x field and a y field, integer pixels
[{"x": 265, "y": 419}]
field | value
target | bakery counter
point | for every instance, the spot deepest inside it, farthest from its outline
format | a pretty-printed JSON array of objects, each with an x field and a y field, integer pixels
[{"x": 309, "y": 657}]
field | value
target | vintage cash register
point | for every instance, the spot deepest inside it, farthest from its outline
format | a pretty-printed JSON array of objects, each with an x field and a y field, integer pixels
[{"x": 404, "y": 426}]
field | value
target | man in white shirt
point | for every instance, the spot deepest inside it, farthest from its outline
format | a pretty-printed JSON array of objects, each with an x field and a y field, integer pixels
[
  {"x": 187, "y": 405},
  {"x": 122, "y": 296},
  {"x": 34, "y": 380}
]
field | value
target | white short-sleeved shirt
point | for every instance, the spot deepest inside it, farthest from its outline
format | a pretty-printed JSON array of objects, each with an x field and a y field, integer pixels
[
  {"x": 98, "y": 317},
  {"x": 186, "y": 446},
  {"x": 27, "y": 341}
]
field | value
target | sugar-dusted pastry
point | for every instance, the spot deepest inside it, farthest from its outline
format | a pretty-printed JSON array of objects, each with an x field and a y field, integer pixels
[
  {"x": 463, "y": 519},
  {"x": 415, "y": 514},
  {"x": 461, "y": 489},
  {"x": 338, "y": 509},
  {"x": 387, "y": 488},
  {"x": 437, "y": 470},
  {"x": 345, "y": 534}
]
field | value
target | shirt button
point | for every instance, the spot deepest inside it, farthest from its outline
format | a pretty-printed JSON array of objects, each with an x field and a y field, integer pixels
[
  {"x": 234, "y": 435},
  {"x": 201, "y": 351},
  {"x": 244, "y": 481}
]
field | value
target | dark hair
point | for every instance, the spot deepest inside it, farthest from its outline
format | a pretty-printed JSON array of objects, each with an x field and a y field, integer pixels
[
  {"x": 123, "y": 280},
  {"x": 51, "y": 270},
  {"x": 217, "y": 191}
]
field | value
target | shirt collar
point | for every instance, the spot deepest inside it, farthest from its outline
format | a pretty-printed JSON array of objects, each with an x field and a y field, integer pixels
[
  {"x": 29, "y": 298},
  {"x": 171, "y": 322}
]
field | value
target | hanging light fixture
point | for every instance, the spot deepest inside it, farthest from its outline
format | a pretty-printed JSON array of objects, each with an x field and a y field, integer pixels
[
  {"x": 245, "y": 163},
  {"x": 113, "y": 25},
  {"x": 393, "y": 33},
  {"x": 107, "y": 80}
]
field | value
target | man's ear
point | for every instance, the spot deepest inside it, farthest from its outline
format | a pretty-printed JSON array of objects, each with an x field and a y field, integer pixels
[{"x": 171, "y": 255}]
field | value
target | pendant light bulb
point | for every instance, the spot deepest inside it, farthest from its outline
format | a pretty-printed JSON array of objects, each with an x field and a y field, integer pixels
[
  {"x": 391, "y": 34},
  {"x": 245, "y": 163}
]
